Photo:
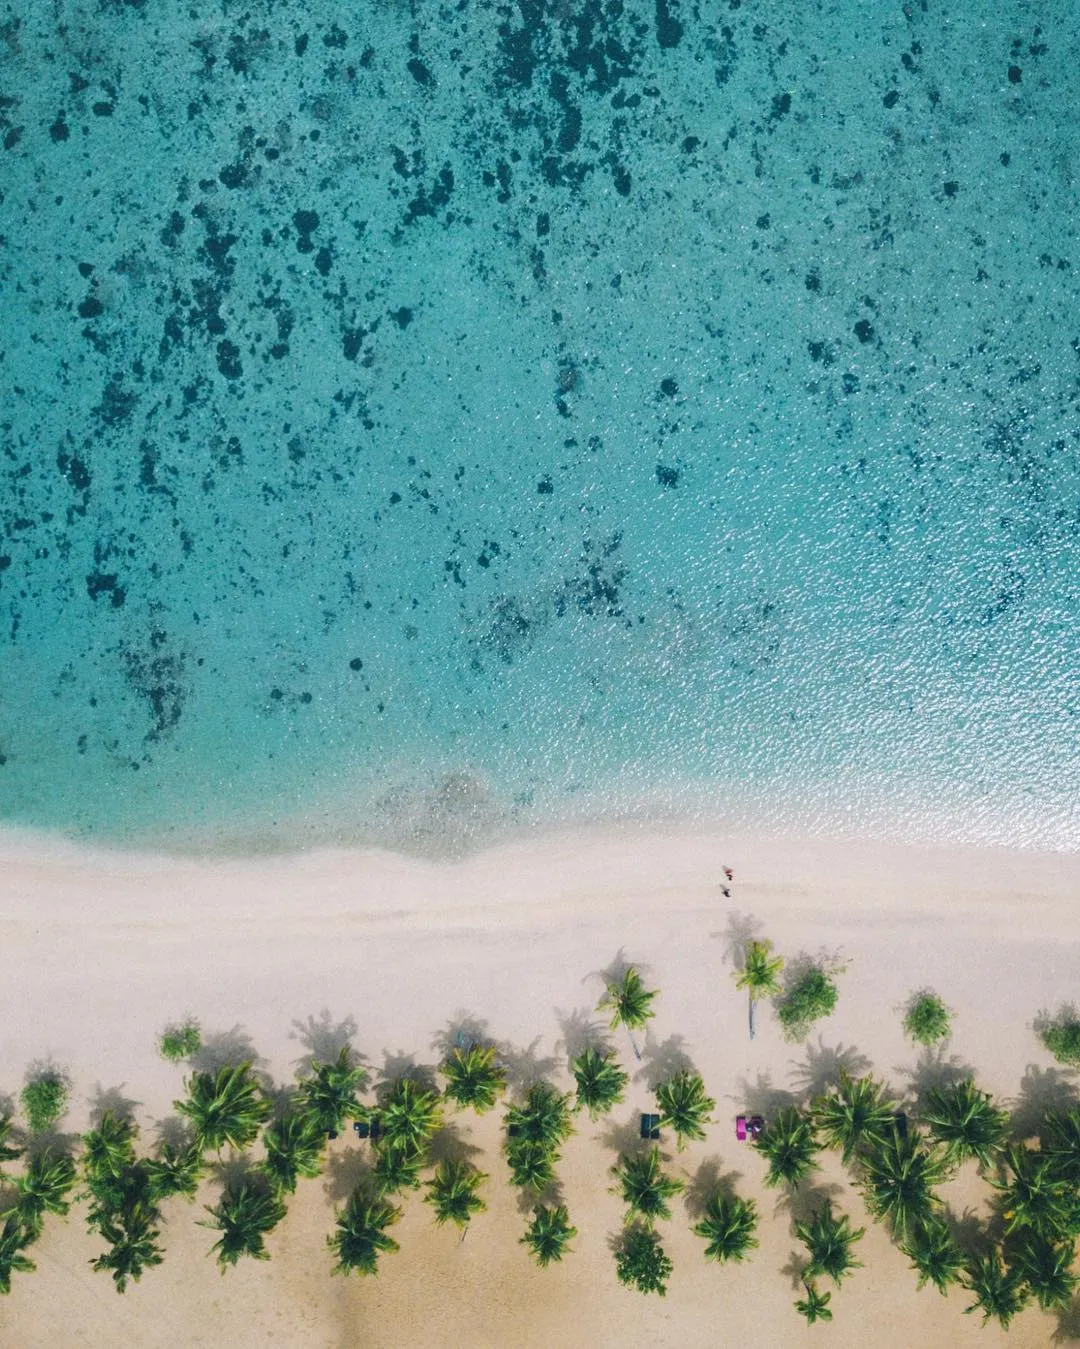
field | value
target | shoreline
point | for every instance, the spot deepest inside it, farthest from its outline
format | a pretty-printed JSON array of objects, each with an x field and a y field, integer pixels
[{"x": 272, "y": 953}]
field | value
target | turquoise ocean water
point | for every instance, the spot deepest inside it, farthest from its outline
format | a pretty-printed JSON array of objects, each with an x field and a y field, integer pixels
[{"x": 421, "y": 420}]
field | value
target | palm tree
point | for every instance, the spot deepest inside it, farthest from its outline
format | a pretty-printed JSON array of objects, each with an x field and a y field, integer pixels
[
  {"x": 1059, "y": 1138},
  {"x": 549, "y": 1234},
  {"x": 1036, "y": 1196},
  {"x": 1045, "y": 1267},
  {"x": 177, "y": 1169},
  {"x": 629, "y": 1002},
  {"x": 934, "y": 1255},
  {"x": 829, "y": 1240},
  {"x": 760, "y": 976},
  {"x": 330, "y": 1094},
  {"x": 643, "y": 1186},
  {"x": 294, "y": 1148},
  {"x": 789, "y": 1144},
  {"x": 43, "y": 1188},
  {"x": 361, "y": 1233},
  {"x": 397, "y": 1169},
  {"x": 600, "y": 1081},
  {"x": 133, "y": 1246},
  {"x": 999, "y": 1292},
  {"x": 966, "y": 1121},
  {"x": 109, "y": 1149},
  {"x": 244, "y": 1214},
  {"x": 14, "y": 1238},
  {"x": 225, "y": 1108},
  {"x": 452, "y": 1193},
  {"x": 8, "y": 1151},
  {"x": 815, "y": 1306},
  {"x": 532, "y": 1165},
  {"x": 544, "y": 1117},
  {"x": 728, "y": 1226},
  {"x": 641, "y": 1262},
  {"x": 410, "y": 1114},
  {"x": 684, "y": 1106},
  {"x": 855, "y": 1114},
  {"x": 898, "y": 1177},
  {"x": 473, "y": 1078}
]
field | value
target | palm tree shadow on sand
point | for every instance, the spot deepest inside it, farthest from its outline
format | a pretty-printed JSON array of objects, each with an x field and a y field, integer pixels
[
  {"x": 324, "y": 1038},
  {"x": 802, "y": 1202},
  {"x": 403, "y": 1066},
  {"x": 225, "y": 1049},
  {"x": 762, "y": 1098},
  {"x": 740, "y": 930},
  {"x": 708, "y": 1180},
  {"x": 660, "y": 1059},
  {"x": 933, "y": 1070},
  {"x": 525, "y": 1066},
  {"x": 112, "y": 1098},
  {"x": 345, "y": 1169},
  {"x": 1068, "y": 1324},
  {"x": 463, "y": 1031},
  {"x": 823, "y": 1066},
  {"x": 1041, "y": 1090},
  {"x": 580, "y": 1031}
]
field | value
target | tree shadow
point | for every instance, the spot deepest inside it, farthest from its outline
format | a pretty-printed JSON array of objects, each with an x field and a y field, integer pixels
[
  {"x": 1041, "y": 1090},
  {"x": 625, "y": 1138},
  {"x": 230, "y": 1168},
  {"x": 112, "y": 1098},
  {"x": 174, "y": 1130},
  {"x": 661, "y": 1059},
  {"x": 823, "y": 1066},
  {"x": 525, "y": 1066},
  {"x": 225, "y": 1049},
  {"x": 741, "y": 929},
  {"x": 448, "y": 1144},
  {"x": 1068, "y": 1323},
  {"x": 581, "y": 1031},
  {"x": 708, "y": 1180},
  {"x": 795, "y": 1270},
  {"x": 281, "y": 1095},
  {"x": 346, "y": 1168},
  {"x": 933, "y": 1070},
  {"x": 50, "y": 1140},
  {"x": 463, "y": 1031},
  {"x": 527, "y": 1198},
  {"x": 323, "y": 1038},
  {"x": 403, "y": 1066},
  {"x": 968, "y": 1230},
  {"x": 802, "y": 1202},
  {"x": 762, "y": 1098}
]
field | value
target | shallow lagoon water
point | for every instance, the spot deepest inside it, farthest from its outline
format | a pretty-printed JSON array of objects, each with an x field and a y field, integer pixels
[{"x": 421, "y": 422}]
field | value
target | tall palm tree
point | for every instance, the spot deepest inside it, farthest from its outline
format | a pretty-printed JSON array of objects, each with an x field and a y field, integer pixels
[
  {"x": 473, "y": 1078},
  {"x": 601, "y": 1083},
  {"x": 644, "y": 1187},
  {"x": 294, "y": 1144},
  {"x": 685, "y": 1106},
  {"x": 934, "y": 1255},
  {"x": 244, "y": 1214},
  {"x": 966, "y": 1121},
  {"x": 728, "y": 1227},
  {"x": 760, "y": 976},
  {"x": 829, "y": 1240},
  {"x": 452, "y": 1193},
  {"x": 1045, "y": 1267},
  {"x": 999, "y": 1291},
  {"x": 177, "y": 1169},
  {"x": 410, "y": 1114},
  {"x": 44, "y": 1188},
  {"x": 330, "y": 1094},
  {"x": 532, "y": 1165},
  {"x": 641, "y": 1262},
  {"x": 549, "y": 1234},
  {"x": 133, "y": 1245},
  {"x": 361, "y": 1235},
  {"x": 789, "y": 1143},
  {"x": 854, "y": 1114},
  {"x": 14, "y": 1239},
  {"x": 898, "y": 1179},
  {"x": 1036, "y": 1197},
  {"x": 815, "y": 1306},
  {"x": 543, "y": 1117},
  {"x": 225, "y": 1108},
  {"x": 630, "y": 1004}
]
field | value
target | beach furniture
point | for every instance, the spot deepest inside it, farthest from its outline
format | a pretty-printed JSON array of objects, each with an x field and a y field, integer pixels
[
  {"x": 650, "y": 1126},
  {"x": 361, "y": 1128},
  {"x": 748, "y": 1126},
  {"x": 740, "y": 1128}
]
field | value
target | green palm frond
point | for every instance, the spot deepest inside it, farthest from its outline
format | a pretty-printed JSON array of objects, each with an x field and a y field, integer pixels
[
  {"x": 177, "y": 1169},
  {"x": 728, "y": 1227},
  {"x": 898, "y": 1180},
  {"x": 934, "y": 1254},
  {"x": 854, "y": 1115},
  {"x": 641, "y": 1262},
  {"x": 829, "y": 1240},
  {"x": 295, "y": 1145},
  {"x": 244, "y": 1214},
  {"x": 999, "y": 1291},
  {"x": 532, "y": 1165},
  {"x": 643, "y": 1186},
  {"x": 543, "y": 1117},
  {"x": 396, "y": 1169},
  {"x": 814, "y": 1306},
  {"x": 966, "y": 1122},
  {"x": 760, "y": 972},
  {"x": 549, "y": 1234},
  {"x": 225, "y": 1108},
  {"x": 331, "y": 1094},
  {"x": 789, "y": 1143},
  {"x": 1046, "y": 1270},
  {"x": 361, "y": 1235},
  {"x": 473, "y": 1078},
  {"x": 14, "y": 1239},
  {"x": 410, "y": 1115},
  {"x": 628, "y": 1001},
  {"x": 44, "y": 1188},
  {"x": 601, "y": 1083},
  {"x": 452, "y": 1192},
  {"x": 685, "y": 1106},
  {"x": 109, "y": 1149}
]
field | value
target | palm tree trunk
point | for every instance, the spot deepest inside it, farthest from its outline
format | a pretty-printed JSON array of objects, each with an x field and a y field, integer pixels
[
  {"x": 633, "y": 1044},
  {"x": 753, "y": 1009}
]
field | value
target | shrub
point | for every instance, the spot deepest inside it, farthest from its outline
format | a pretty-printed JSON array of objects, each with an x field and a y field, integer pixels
[
  {"x": 1061, "y": 1035},
  {"x": 926, "y": 1018},
  {"x": 811, "y": 994},
  {"x": 180, "y": 1041},
  {"x": 45, "y": 1098}
]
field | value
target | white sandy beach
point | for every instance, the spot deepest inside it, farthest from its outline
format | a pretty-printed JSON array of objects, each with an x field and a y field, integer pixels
[{"x": 101, "y": 950}]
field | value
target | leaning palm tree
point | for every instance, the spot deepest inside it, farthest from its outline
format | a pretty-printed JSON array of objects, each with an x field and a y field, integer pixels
[
  {"x": 789, "y": 1144},
  {"x": 532, "y": 1165},
  {"x": 1046, "y": 1270},
  {"x": 898, "y": 1179},
  {"x": 473, "y": 1078},
  {"x": 294, "y": 1147},
  {"x": 543, "y": 1117},
  {"x": 177, "y": 1169},
  {"x": 44, "y": 1188},
  {"x": 815, "y": 1306},
  {"x": 410, "y": 1113},
  {"x": 133, "y": 1245},
  {"x": 728, "y": 1227},
  {"x": 643, "y": 1186},
  {"x": 601, "y": 1083},
  {"x": 452, "y": 1193},
  {"x": 685, "y": 1106},
  {"x": 1036, "y": 1197},
  {"x": 934, "y": 1255},
  {"x": 629, "y": 1003},
  {"x": 999, "y": 1291},
  {"x": 760, "y": 976},
  {"x": 225, "y": 1108},
  {"x": 330, "y": 1095},
  {"x": 243, "y": 1215},
  {"x": 829, "y": 1240},
  {"x": 361, "y": 1235},
  {"x": 966, "y": 1121},
  {"x": 855, "y": 1114},
  {"x": 14, "y": 1239},
  {"x": 549, "y": 1234}
]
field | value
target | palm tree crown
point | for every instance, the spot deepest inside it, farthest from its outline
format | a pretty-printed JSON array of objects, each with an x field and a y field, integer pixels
[
  {"x": 1036, "y": 1196},
  {"x": 966, "y": 1121},
  {"x": 225, "y": 1108},
  {"x": 410, "y": 1115},
  {"x": 44, "y": 1188},
  {"x": 14, "y": 1238},
  {"x": 641, "y": 1262},
  {"x": 829, "y": 1240},
  {"x": 473, "y": 1078},
  {"x": 999, "y": 1291},
  {"x": 628, "y": 1001},
  {"x": 549, "y": 1234},
  {"x": 789, "y": 1143},
  {"x": 934, "y": 1254},
  {"x": 601, "y": 1083},
  {"x": 361, "y": 1235},
  {"x": 330, "y": 1094},
  {"x": 815, "y": 1306},
  {"x": 854, "y": 1114},
  {"x": 760, "y": 975},
  {"x": 644, "y": 1187},
  {"x": 294, "y": 1147},
  {"x": 898, "y": 1179},
  {"x": 452, "y": 1192},
  {"x": 244, "y": 1214},
  {"x": 728, "y": 1227},
  {"x": 685, "y": 1106}
]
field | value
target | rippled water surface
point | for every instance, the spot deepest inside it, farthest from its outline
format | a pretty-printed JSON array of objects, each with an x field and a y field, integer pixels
[{"x": 417, "y": 420}]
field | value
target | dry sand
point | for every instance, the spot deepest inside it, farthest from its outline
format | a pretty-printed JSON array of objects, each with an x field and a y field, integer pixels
[{"x": 286, "y": 955}]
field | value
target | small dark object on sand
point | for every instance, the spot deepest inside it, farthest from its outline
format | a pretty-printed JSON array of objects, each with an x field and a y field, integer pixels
[
  {"x": 725, "y": 892},
  {"x": 729, "y": 873}
]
